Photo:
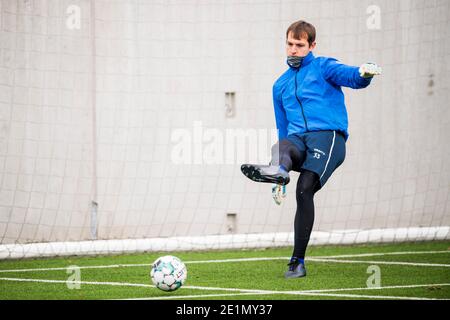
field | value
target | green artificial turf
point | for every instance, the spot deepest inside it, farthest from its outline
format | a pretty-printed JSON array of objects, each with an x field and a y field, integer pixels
[{"x": 235, "y": 280}]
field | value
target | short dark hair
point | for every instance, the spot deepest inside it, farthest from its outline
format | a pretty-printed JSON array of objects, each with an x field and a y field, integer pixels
[{"x": 302, "y": 29}]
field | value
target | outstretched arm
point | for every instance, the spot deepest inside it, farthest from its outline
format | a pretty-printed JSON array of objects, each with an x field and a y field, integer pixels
[{"x": 348, "y": 76}]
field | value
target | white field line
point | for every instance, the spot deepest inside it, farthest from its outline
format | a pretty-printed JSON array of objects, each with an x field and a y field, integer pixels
[
  {"x": 304, "y": 294},
  {"x": 359, "y": 296},
  {"x": 323, "y": 292},
  {"x": 148, "y": 264},
  {"x": 312, "y": 258},
  {"x": 260, "y": 291},
  {"x": 237, "y": 260},
  {"x": 120, "y": 284},
  {"x": 126, "y": 284},
  {"x": 375, "y": 254},
  {"x": 197, "y": 296},
  {"x": 335, "y": 295},
  {"x": 81, "y": 267},
  {"x": 381, "y": 288},
  {"x": 414, "y": 264}
]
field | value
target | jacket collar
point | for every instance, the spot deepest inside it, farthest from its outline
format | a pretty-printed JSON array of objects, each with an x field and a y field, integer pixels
[{"x": 306, "y": 60}]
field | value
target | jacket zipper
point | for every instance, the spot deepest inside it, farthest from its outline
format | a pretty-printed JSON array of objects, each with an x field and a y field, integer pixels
[{"x": 301, "y": 106}]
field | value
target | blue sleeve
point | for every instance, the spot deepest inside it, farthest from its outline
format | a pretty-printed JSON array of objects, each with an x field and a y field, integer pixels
[
  {"x": 342, "y": 75},
  {"x": 280, "y": 115}
]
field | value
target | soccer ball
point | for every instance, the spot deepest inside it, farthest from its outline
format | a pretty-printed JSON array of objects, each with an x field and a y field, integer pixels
[{"x": 168, "y": 273}]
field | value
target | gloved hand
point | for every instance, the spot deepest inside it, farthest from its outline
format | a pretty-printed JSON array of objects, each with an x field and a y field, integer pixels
[
  {"x": 278, "y": 193},
  {"x": 368, "y": 70}
]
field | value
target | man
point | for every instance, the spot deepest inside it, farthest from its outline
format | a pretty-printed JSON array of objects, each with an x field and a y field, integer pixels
[{"x": 312, "y": 125}]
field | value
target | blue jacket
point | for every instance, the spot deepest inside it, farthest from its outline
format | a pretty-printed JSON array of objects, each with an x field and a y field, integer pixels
[{"x": 310, "y": 98}]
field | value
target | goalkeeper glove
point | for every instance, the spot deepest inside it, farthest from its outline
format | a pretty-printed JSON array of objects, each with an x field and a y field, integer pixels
[
  {"x": 278, "y": 193},
  {"x": 368, "y": 70}
]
